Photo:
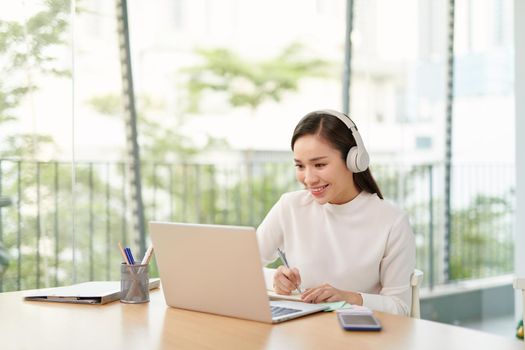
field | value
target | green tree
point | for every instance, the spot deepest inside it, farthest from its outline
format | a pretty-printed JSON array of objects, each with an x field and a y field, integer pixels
[
  {"x": 160, "y": 141},
  {"x": 29, "y": 49},
  {"x": 248, "y": 83},
  {"x": 4, "y": 260},
  {"x": 481, "y": 244}
]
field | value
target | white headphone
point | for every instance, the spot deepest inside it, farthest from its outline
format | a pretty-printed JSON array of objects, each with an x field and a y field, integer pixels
[{"x": 357, "y": 159}]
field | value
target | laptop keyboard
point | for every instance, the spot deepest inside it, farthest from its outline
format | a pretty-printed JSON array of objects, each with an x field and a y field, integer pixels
[{"x": 281, "y": 311}]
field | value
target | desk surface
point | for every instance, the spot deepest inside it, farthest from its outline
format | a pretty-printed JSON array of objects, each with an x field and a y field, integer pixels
[{"x": 45, "y": 325}]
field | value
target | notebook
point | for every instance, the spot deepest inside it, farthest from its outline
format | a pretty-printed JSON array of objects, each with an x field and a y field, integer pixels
[
  {"x": 95, "y": 292},
  {"x": 217, "y": 269}
]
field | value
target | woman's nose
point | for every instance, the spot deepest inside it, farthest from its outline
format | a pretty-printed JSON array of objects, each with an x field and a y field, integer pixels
[{"x": 310, "y": 177}]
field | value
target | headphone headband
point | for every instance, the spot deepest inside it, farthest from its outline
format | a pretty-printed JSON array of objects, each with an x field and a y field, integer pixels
[
  {"x": 342, "y": 117},
  {"x": 357, "y": 159}
]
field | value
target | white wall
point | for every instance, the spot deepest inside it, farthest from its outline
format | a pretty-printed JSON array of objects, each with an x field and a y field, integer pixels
[{"x": 519, "y": 248}]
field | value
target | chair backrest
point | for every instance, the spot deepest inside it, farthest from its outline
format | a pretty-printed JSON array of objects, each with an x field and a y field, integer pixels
[
  {"x": 519, "y": 284},
  {"x": 415, "y": 282}
]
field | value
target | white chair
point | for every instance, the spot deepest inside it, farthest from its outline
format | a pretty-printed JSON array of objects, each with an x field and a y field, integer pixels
[
  {"x": 519, "y": 283},
  {"x": 415, "y": 282}
]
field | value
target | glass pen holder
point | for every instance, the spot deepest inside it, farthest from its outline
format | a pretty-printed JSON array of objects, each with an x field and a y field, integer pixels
[{"x": 134, "y": 284}]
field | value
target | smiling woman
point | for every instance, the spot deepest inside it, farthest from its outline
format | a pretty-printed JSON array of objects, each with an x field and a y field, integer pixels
[
  {"x": 343, "y": 241},
  {"x": 320, "y": 169},
  {"x": 323, "y": 141}
]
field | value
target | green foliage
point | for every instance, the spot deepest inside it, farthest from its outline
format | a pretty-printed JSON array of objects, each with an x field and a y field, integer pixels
[
  {"x": 27, "y": 145},
  {"x": 238, "y": 195},
  {"x": 4, "y": 259},
  {"x": 481, "y": 243},
  {"x": 27, "y": 51},
  {"x": 109, "y": 105},
  {"x": 160, "y": 141},
  {"x": 478, "y": 247},
  {"x": 43, "y": 227},
  {"x": 218, "y": 194},
  {"x": 247, "y": 83},
  {"x": 30, "y": 46},
  {"x": 173, "y": 188},
  {"x": 10, "y": 98}
]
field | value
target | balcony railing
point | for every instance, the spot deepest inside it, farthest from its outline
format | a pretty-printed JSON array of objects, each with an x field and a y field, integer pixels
[{"x": 57, "y": 233}]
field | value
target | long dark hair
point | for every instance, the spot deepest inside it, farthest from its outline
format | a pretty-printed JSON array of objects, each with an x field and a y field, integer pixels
[{"x": 337, "y": 134}]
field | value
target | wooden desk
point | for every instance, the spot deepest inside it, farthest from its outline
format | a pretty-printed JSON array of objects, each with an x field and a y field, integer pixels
[{"x": 41, "y": 325}]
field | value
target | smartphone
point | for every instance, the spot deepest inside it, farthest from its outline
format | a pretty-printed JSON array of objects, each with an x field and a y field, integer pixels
[{"x": 358, "y": 322}]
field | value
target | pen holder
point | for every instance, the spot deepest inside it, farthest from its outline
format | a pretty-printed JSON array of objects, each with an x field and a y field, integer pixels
[{"x": 134, "y": 284}]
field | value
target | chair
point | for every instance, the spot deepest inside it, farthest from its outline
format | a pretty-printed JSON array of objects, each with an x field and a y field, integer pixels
[{"x": 415, "y": 282}]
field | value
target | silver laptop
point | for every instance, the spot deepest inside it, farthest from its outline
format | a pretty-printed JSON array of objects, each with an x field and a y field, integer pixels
[{"x": 217, "y": 269}]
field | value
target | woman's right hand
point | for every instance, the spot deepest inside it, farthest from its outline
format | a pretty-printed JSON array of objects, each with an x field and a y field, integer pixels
[{"x": 286, "y": 280}]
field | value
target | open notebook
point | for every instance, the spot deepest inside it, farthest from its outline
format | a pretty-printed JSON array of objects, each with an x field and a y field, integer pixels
[
  {"x": 274, "y": 296},
  {"x": 95, "y": 292}
]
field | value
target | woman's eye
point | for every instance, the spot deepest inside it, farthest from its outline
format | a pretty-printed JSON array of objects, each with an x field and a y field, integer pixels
[
  {"x": 299, "y": 166},
  {"x": 320, "y": 165}
]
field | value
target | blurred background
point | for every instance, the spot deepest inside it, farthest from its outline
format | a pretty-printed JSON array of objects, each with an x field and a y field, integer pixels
[{"x": 115, "y": 113}]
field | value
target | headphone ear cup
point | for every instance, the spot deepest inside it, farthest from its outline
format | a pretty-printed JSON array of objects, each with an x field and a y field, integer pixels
[
  {"x": 362, "y": 160},
  {"x": 351, "y": 160},
  {"x": 356, "y": 161}
]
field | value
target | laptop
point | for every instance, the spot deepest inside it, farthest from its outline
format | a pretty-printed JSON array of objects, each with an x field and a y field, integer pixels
[{"x": 217, "y": 269}]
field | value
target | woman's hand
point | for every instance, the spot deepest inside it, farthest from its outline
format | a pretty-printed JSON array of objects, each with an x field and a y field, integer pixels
[
  {"x": 325, "y": 293},
  {"x": 286, "y": 280}
]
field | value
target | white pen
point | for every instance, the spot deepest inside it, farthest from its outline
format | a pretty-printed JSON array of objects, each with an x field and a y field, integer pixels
[
  {"x": 285, "y": 262},
  {"x": 147, "y": 256}
]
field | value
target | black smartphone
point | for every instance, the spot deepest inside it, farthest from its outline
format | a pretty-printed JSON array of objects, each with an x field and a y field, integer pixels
[{"x": 358, "y": 322}]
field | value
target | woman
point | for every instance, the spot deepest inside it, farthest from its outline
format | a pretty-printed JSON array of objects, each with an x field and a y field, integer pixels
[{"x": 343, "y": 242}]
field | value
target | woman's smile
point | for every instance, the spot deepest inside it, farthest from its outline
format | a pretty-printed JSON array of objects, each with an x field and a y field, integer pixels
[{"x": 318, "y": 190}]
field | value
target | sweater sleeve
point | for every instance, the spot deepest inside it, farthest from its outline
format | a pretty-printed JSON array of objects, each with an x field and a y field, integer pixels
[{"x": 395, "y": 268}]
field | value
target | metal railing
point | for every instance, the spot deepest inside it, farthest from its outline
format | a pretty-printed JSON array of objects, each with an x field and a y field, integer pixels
[{"x": 35, "y": 229}]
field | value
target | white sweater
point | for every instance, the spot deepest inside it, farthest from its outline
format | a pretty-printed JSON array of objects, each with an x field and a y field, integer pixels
[{"x": 365, "y": 246}]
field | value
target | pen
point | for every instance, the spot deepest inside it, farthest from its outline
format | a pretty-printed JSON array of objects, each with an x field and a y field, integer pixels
[
  {"x": 129, "y": 255},
  {"x": 285, "y": 262},
  {"x": 147, "y": 256},
  {"x": 124, "y": 256}
]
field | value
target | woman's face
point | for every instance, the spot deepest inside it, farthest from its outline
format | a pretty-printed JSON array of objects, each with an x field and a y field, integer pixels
[{"x": 323, "y": 172}]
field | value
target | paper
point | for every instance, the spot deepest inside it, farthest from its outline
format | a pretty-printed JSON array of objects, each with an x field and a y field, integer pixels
[
  {"x": 355, "y": 310},
  {"x": 297, "y": 297},
  {"x": 293, "y": 297},
  {"x": 96, "y": 292},
  {"x": 337, "y": 305}
]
